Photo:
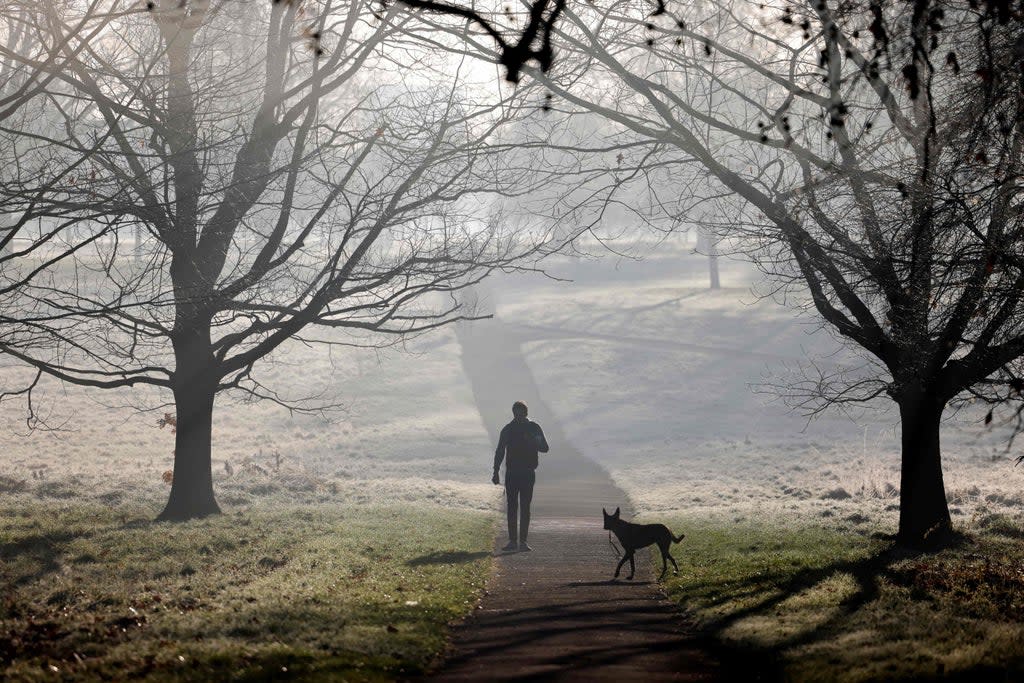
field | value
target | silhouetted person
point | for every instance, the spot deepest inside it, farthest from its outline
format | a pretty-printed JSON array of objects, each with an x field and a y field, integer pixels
[{"x": 518, "y": 445}]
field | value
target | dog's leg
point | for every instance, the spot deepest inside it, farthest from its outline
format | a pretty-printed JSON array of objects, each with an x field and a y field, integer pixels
[
  {"x": 632, "y": 566},
  {"x": 673, "y": 562},
  {"x": 621, "y": 562},
  {"x": 664, "y": 563}
]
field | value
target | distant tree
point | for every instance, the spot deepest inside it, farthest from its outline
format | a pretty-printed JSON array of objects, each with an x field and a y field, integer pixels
[
  {"x": 868, "y": 154},
  {"x": 292, "y": 166},
  {"x": 707, "y": 244}
]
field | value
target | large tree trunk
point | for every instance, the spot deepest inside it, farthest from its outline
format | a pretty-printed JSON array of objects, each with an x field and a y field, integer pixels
[
  {"x": 195, "y": 387},
  {"x": 924, "y": 513}
]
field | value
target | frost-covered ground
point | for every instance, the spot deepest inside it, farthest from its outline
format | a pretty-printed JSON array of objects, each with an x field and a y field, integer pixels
[
  {"x": 409, "y": 431},
  {"x": 650, "y": 373}
]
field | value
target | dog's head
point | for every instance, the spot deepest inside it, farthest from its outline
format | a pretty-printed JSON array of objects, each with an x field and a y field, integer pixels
[{"x": 609, "y": 520}]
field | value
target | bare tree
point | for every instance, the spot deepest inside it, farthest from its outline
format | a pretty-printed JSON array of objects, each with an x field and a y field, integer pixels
[
  {"x": 287, "y": 177},
  {"x": 868, "y": 155}
]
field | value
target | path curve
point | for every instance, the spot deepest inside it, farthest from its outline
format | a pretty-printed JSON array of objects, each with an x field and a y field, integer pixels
[{"x": 553, "y": 614}]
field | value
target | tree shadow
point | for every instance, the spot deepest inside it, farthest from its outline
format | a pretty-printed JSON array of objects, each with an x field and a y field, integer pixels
[
  {"x": 543, "y": 642},
  {"x": 769, "y": 593},
  {"x": 45, "y": 550},
  {"x": 447, "y": 557},
  {"x": 607, "y": 582},
  {"x": 141, "y": 523}
]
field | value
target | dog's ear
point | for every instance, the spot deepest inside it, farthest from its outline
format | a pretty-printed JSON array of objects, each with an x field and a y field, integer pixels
[
  {"x": 604, "y": 512},
  {"x": 616, "y": 512}
]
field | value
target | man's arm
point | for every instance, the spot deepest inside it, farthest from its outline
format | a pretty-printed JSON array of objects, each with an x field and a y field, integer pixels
[
  {"x": 499, "y": 452},
  {"x": 542, "y": 443}
]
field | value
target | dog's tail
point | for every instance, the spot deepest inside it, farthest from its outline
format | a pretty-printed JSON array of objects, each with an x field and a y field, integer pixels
[{"x": 677, "y": 539}]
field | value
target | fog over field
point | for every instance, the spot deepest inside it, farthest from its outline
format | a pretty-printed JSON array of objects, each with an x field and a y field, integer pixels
[
  {"x": 664, "y": 383},
  {"x": 648, "y": 371},
  {"x": 405, "y": 430}
]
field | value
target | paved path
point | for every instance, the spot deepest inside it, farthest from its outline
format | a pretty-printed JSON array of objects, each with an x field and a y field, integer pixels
[{"x": 553, "y": 614}]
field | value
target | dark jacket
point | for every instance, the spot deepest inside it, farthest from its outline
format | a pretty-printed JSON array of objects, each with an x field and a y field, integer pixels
[{"x": 520, "y": 442}]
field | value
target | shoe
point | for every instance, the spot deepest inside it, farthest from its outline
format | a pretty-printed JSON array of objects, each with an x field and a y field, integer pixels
[
  {"x": 510, "y": 547},
  {"x": 523, "y": 548}
]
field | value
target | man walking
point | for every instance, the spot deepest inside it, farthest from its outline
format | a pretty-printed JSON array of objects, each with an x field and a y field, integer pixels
[{"x": 520, "y": 441}]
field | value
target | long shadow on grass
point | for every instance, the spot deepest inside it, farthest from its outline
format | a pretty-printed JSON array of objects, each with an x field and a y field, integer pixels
[
  {"x": 48, "y": 548},
  {"x": 44, "y": 549},
  {"x": 780, "y": 586},
  {"x": 447, "y": 557}
]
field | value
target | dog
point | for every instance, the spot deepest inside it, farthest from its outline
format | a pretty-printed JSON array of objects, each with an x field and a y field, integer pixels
[{"x": 636, "y": 536}]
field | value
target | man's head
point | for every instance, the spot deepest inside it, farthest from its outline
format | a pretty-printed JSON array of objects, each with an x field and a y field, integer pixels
[{"x": 519, "y": 410}]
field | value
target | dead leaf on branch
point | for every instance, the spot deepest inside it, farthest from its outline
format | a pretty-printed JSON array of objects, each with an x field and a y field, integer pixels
[{"x": 168, "y": 420}]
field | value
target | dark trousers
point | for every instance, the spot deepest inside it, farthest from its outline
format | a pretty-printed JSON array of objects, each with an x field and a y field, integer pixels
[{"x": 518, "y": 494}]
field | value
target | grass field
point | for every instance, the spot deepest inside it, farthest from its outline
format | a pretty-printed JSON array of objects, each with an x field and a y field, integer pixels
[
  {"x": 346, "y": 547},
  {"x": 811, "y": 603},
  {"x": 316, "y": 592}
]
